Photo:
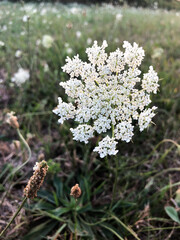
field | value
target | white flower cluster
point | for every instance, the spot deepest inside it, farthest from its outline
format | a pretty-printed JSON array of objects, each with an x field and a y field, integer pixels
[
  {"x": 108, "y": 93},
  {"x": 20, "y": 77}
]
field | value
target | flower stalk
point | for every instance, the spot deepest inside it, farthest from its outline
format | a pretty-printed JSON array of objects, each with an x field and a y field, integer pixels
[{"x": 15, "y": 215}]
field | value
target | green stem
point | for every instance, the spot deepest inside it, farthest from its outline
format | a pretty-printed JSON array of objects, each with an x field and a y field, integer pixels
[
  {"x": 107, "y": 163},
  {"x": 115, "y": 183},
  {"x": 75, "y": 221},
  {"x": 116, "y": 174},
  {"x": 15, "y": 215},
  {"x": 29, "y": 156},
  {"x": 112, "y": 131}
]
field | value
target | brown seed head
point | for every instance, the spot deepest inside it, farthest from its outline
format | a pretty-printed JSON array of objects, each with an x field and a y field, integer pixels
[
  {"x": 36, "y": 180},
  {"x": 75, "y": 191}
]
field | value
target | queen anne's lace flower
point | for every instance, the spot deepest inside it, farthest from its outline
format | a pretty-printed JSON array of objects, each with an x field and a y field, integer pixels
[{"x": 108, "y": 91}]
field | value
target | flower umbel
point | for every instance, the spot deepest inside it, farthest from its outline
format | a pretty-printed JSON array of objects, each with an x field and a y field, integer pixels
[
  {"x": 35, "y": 182},
  {"x": 108, "y": 92}
]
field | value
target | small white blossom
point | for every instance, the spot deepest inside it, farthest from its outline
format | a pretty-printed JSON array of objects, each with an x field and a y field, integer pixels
[
  {"x": 69, "y": 50},
  {"x": 96, "y": 54},
  {"x": 38, "y": 42},
  {"x": 124, "y": 131},
  {"x": 150, "y": 81},
  {"x": 47, "y": 41},
  {"x": 89, "y": 41},
  {"x": 119, "y": 17},
  {"x": 46, "y": 67},
  {"x": 20, "y": 77},
  {"x": 64, "y": 110},
  {"x": 25, "y": 18},
  {"x": 82, "y": 133},
  {"x": 78, "y": 34},
  {"x": 157, "y": 53},
  {"x": 102, "y": 124},
  {"x": 145, "y": 118},
  {"x": 107, "y": 146},
  {"x": 18, "y": 53},
  {"x": 133, "y": 54},
  {"x": 2, "y": 44}
]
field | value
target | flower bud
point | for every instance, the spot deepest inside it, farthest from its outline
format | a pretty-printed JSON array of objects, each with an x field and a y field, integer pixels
[
  {"x": 35, "y": 182},
  {"x": 12, "y": 120},
  {"x": 75, "y": 191}
]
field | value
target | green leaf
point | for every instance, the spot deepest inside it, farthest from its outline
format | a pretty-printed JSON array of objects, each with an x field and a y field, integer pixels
[
  {"x": 41, "y": 205},
  {"x": 172, "y": 213},
  {"x": 59, "y": 211},
  {"x": 46, "y": 195},
  {"x": 111, "y": 229},
  {"x": 55, "y": 236},
  {"x": 40, "y": 231},
  {"x": 59, "y": 187}
]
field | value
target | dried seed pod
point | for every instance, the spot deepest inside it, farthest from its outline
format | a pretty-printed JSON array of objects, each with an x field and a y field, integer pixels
[
  {"x": 35, "y": 182},
  {"x": 75, "y": 191}
]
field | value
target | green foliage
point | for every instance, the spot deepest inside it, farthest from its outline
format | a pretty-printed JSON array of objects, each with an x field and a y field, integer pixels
[
  {"x": 58, "y": 210},
  {"x": 172, "y": 213},
  {"x": 54, "y": 167}
]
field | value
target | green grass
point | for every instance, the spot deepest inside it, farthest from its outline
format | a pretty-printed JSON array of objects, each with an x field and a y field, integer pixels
[{"x": 148, "y": 168}]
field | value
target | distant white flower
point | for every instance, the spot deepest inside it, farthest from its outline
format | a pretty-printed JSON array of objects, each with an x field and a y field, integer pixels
[
  {"x": 2, "y": 44},
  {"x": 18, "y": 53},
  {"x": 20, "y": 77},
  {"x": 46, "y": 67},
  {"x": 89, "y": 41},
  {"x": 4, "y": 28},
  {"x": 47, "y": 41},
  {"x": 74, "y": 10},
  {"x": 157, "y": 53},
  {"x": 108, "y": 94},
  {"x": 38, "y": 42},
  {"x": 23, "y": 33},
  {"x": 119, "y": 17},
  {"x": 78, "y": 34},
  {"x": 69, "y": 50},
  {"x": 66, "y": 45},
  {"x": 25, "y": 18}
]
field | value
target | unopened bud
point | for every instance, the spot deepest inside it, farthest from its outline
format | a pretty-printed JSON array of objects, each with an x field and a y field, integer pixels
[
  {"x": 12, "y": 120},
  {"x": 75, "y": 191},
  {"x": 35, "y": 182}
]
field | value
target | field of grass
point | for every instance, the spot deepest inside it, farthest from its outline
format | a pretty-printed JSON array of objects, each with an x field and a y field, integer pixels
[{"x": 148, "y": 168}]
